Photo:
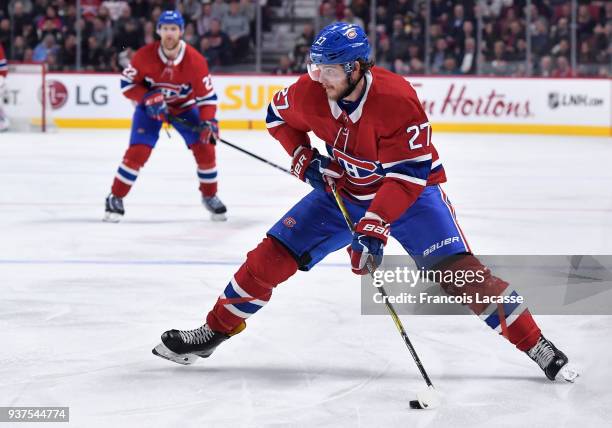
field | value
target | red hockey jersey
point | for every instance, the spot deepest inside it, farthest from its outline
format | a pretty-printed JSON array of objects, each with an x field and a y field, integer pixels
[
  {"x": 3, "y": 63},
  {"x": 184, "y": 81},
  {"x": 384, "y": 145}
]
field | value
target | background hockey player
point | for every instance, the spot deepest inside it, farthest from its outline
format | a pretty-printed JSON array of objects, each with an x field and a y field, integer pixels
[
  {"x": 4, "y": 122},
  {"x": 379, "y": 152},
  {"x": 168, "y": 78}
]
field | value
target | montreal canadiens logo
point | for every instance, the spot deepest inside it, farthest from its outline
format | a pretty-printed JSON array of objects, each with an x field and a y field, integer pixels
[
  {"x": 359, "y": 172},
  {"x": 57, "y": 94},
  {"x": 351, "y": 34},
  {"x": 173, "y": 92},
  {"x": 289, "y": 222}
]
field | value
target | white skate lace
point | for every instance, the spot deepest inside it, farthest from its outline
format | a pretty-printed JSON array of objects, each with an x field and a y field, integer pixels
[
  {"x": 542, "y": 353},
  {"x": 197, "y": 336}
]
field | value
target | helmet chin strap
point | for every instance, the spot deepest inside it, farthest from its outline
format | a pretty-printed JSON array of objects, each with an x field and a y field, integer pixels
[{"x": 349, "y": 67}]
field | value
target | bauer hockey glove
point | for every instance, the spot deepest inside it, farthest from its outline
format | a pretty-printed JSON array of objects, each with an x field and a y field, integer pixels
[
  {"x": 369, "y": 239},
  {"x": 309, "y": 166},
  {"x": 155, "y": 105},
  {"x": 210, "y": 134}
]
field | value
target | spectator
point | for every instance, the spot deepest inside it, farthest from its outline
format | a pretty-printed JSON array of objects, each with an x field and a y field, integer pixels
[
  {"x": 219, "y": 44},
  {"x": 361, "y": 9},
  {"x": 540, "y": 43},
  {"x": 190, "y": 35},
  {"x": 328, "y": 15},
  {"x": 468, "y": 61},
  {"x": 449, "y": 66},
  {"x": 204, "y": 20},
  {"x": 128, "y": 37},
  {"x": 20, "y": 17},
  {"x": 236, "y": 26},
  {"x": 350, "y": 17},
  {"x": 586, "y": 55},
  {"x": 439, "y": 55},
  {"x": 584, "y": 22},
  {"x": 149, "y": 34},
  {"x": 563, "y": 68},
  {"x": 399, "y": 39},
  {"x": 18, "y": 49},
  {"x": 456, "y": 25},
  {"x": 5, "y": 33},
  {"x": 301, "y": 51},
  {"x": 102, "y": 32},
  {"x": 191, "y": 10},
  {"x": 50, "y": 21},
  {"x": 140, "y": 10},
  {"x": 417, "y": 66},
  {"x": 44, "y": 49},
  {"x": 219, "y": 9},
  {"x": 384, "y": 56},
  {"x": 284, "y": 66},
  {"x": 94, "y": 57},
  {"x": 400, "y": 67},
  {"x": 67, "y": 57},
  {"x": 562, "y": 48}
]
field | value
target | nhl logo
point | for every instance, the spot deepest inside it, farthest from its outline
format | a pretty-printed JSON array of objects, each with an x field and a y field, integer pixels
[
  {"x": 553, "y": 100},
  {"x": 351, "y": 34},
  {"x": 289, "y": 222}
]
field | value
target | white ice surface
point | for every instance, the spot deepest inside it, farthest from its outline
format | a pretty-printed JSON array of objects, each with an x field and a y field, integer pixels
[{"x": 83, "y": 302}]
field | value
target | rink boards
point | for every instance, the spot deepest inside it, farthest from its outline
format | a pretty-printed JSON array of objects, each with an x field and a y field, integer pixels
[{"x": 453, "y": 104}]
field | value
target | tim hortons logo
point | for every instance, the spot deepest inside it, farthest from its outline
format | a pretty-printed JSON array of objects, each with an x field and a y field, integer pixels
[
  {"x": 57, "y": 94},
  {"x": 459, "y": 102}
]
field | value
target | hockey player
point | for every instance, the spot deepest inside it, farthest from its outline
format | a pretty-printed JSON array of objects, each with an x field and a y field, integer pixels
[
  {"x": 4, "y": 122},
  {"x": 168, "y": 78},
  {"x": 379, "y": 153}
]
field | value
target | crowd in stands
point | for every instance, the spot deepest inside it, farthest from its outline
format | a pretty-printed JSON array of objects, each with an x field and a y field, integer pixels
[
  {"x": 223, "y": 31},
  {"x": 400, "y": 34},
  {"x": 46, "y": 30}
]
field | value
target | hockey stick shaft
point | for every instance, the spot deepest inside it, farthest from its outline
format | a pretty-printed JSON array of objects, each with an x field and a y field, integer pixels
[
  {"x": 389, "y": 306},
  {"x": 198, "y": 128}
]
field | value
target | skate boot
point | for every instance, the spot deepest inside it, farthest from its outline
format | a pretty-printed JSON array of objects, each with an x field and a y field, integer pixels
[
  {"x": 552, "y": 361},
  {"x": 114, "y": 209},
  {"x": 185, "y": 346},
  {"x": 216, "y": 208}
]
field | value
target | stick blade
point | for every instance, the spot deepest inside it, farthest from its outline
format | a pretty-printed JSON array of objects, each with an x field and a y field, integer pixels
[{"x": 427, "y": 399}]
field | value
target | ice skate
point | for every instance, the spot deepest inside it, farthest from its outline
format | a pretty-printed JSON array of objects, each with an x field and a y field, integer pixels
[
  {"x": 185, "y": 346},
  {"x": 114, "y": 209},
  {"x": 217, "y": 209},
  {"x": 552, "y": 361}
]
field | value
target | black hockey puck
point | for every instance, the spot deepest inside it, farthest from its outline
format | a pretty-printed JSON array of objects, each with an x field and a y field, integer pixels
[{"x": 414, "y": 404}]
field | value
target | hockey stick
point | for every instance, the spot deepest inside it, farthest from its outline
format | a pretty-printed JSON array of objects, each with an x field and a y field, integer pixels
[
  {"x": 427, "y": 399},
  {"x": 200, "y": 127}
]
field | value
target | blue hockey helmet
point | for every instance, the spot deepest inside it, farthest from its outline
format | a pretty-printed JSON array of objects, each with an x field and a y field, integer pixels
[
  {"x": 340, "y": 43},
  {"x": 169, "y": 17}
]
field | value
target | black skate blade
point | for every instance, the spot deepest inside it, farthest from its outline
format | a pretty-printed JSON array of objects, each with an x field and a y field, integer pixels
[{"x": 185, "y": 359}]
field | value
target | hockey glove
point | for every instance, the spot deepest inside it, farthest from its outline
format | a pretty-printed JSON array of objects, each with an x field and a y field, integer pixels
[
  {"x": 369, "y": 239},
  {"x": 309, "y": 166},
  {"x": 210, "y": 134},
  {"x": 155, "y": 105}
]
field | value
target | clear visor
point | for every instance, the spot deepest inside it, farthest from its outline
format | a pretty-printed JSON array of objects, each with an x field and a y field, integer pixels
[{"x": 326, "y": 72}]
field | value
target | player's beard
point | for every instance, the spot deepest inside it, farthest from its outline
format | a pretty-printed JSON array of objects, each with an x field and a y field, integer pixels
[
  {"x": 336, "y": 91},
  {"x": 170, "y": 44}
]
